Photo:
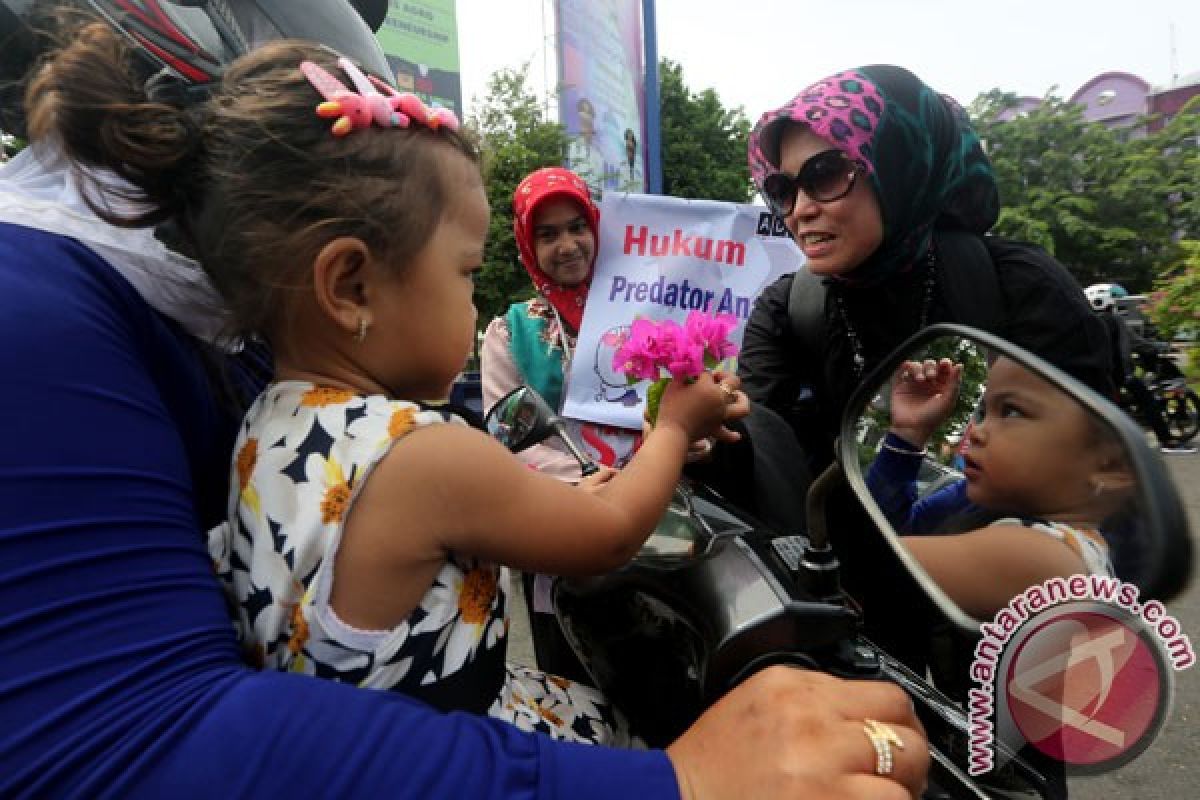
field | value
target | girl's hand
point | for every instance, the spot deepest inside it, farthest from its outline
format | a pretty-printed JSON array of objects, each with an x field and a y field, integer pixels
[
  {"x": 697, "y": 408},
  {"x": 595, "y": 482},
  {"x": 923, "y": 395}
]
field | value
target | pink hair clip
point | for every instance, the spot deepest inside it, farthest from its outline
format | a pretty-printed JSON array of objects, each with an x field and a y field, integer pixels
[{"x": 358, "y": 110}]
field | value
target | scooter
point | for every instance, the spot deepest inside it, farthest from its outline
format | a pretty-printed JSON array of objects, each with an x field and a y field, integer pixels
[{"x": 715, "y": 595}]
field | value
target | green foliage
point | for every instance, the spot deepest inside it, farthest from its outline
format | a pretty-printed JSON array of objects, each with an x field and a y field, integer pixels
[
  {"x": 10, "y": 145},
  {"x": 703, "y": 143},
  {"x": 1175, "y": 304},
  {"x": 516, "y": 137},
  {"x": 1109, "y": 204}
]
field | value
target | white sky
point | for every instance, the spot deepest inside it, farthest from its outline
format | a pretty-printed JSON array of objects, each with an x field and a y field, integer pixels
[{"x": 758, "y": 53}]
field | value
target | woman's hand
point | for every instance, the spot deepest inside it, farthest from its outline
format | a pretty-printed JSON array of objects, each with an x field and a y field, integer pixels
[
  {"x": 923, "y": 395},
  {"x": 737, "y": 406},
  {"x": 790, "y": 733}
]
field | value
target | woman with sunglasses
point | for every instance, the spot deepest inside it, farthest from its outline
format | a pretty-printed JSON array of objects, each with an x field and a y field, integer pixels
[{"x": 886, "y": 189}]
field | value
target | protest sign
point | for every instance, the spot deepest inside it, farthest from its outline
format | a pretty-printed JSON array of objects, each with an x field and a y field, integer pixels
[{"x": 661, "y": 257}]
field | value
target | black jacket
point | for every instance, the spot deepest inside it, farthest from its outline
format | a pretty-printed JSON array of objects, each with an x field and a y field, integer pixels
[{"x": 1041, "y": 308}]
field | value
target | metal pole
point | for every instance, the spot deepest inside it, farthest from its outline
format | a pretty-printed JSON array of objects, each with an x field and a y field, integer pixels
[{"x": 653, "y": 123}]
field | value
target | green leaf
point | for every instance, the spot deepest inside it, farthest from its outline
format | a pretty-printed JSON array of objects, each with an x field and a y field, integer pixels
[{"x": 654, "y": 398}]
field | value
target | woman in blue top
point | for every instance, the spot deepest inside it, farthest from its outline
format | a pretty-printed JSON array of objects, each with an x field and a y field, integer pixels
[{"x": 121, "y": 676}]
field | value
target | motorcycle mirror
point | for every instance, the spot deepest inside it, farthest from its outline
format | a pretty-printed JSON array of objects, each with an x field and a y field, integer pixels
[
  {"x": 521, "y": 419},
  {"x": 997, "y": 443}
]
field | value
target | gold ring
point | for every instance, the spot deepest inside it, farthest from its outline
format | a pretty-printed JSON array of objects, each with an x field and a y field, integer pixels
[
  {"x": 730, "y": 392},
  {"x": 882, "y": 738}
]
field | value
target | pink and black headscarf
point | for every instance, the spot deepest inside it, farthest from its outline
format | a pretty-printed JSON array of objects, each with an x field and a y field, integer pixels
[
  {"x": 538, "y": 187},
  {"x": 922, "y": 158}
]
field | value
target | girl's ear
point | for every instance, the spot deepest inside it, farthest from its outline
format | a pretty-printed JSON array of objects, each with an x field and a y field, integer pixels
[
  {"x": 340, "y": 274},
  {"x": 1112, "y": 469},
  {"x": 1115, "y": 477}
]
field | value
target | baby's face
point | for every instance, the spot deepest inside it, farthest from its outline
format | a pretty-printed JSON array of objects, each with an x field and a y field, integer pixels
[{"x": 1034, "y": 452}]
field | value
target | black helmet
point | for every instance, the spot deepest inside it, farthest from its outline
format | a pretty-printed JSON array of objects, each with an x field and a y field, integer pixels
[{"x": 191, "y": 41}]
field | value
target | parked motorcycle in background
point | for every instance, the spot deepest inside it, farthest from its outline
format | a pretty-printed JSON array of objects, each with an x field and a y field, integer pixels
[{"x": 1180, "y": 405}]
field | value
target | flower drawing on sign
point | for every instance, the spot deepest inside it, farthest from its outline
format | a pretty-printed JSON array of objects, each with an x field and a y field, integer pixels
[
  {"x": 613, "y": 384},
  {"x": 661, "y": 351}
]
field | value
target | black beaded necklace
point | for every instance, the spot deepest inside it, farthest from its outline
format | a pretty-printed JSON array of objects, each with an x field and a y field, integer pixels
[{"x": 856, "y": 347}]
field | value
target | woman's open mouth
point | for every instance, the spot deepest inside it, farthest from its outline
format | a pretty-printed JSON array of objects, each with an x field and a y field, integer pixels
[{"x": 817, "y": 244}]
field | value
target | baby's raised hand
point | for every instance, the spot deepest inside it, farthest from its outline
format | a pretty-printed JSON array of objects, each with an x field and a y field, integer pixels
[{"x": 923, "y": 395}]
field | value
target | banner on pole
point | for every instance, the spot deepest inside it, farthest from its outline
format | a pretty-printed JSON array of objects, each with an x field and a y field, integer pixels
[
  {"x": 662, "y": 257},
  {"x": 602, "y": 91}
]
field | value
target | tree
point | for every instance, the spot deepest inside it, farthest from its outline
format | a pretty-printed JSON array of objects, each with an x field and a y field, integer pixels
[
  {"x": 516, "y": 138},
  {"x": 1109, "y": 204},
  {"x": 1179, "y": 143},
  {"x": 10, "y": 145},
  {"x": 1175, "y": 303},
  {"x": 703, "y": 143}
]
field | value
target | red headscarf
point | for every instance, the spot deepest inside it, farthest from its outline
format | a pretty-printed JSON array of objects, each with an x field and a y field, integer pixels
[{"x": 538, "y": 187}]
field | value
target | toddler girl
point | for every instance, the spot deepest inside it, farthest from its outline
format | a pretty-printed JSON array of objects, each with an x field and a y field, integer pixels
[
  {"x": 1038, "y": 464},
  {"x": 366, "y": 530}
]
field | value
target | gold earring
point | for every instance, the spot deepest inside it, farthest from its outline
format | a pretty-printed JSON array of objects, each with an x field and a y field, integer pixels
[{"x": 361, "y": 336}]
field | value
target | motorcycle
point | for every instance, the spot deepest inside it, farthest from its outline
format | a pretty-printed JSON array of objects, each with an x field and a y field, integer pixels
[
  {"x": 1180, "y": 405},
  {"x": 715, "y": 595},
  {"x": 1181, "y": 408}
]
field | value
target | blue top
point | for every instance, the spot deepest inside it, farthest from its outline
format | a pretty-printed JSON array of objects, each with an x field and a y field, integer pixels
[
  {"x": 119, "y": 674},
  {"x": 891, "y": 480}
]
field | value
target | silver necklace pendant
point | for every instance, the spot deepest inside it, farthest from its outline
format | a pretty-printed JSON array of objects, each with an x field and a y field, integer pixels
[{"x": 859, "y": 359}]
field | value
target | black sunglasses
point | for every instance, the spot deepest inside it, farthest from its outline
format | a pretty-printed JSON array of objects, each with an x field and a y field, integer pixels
[{"x": 827, "y": 176}]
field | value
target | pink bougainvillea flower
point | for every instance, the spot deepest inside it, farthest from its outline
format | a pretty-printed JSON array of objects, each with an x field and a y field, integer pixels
[
  {"x": 663, "y": 351},
  {"x": 712, "y": 333},
  {"x": 642, "y": 353},
  {"x": 687, "y": 357}
]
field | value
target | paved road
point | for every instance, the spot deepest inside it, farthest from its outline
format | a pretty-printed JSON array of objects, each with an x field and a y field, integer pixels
[{"x": 1170, "y": 768}]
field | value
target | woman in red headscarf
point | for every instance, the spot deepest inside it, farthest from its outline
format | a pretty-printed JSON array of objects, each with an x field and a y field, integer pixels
[{"x": 555, "y": 224}]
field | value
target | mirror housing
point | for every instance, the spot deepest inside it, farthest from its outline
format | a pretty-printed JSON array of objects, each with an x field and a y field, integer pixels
[
  {"x": 521, "y": 419},
  {"x": 1166, "y": 554}
]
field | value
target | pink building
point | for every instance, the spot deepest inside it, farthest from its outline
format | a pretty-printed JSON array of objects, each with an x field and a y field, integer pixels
[
  {"x": 1119, "y": 99},
  {"x": 1116, "y": 99}
]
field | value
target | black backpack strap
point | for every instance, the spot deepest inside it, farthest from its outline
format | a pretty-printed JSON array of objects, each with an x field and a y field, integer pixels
[
  {"x": 968, "y": 282},
  {"x": 806, "y": 310}
]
